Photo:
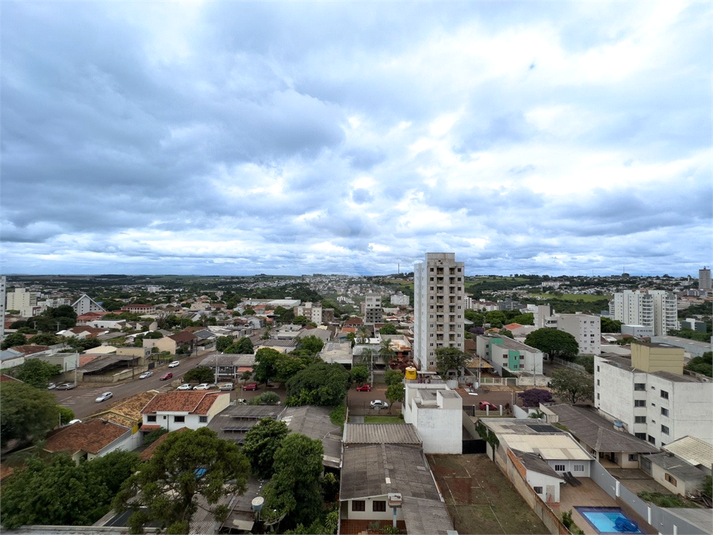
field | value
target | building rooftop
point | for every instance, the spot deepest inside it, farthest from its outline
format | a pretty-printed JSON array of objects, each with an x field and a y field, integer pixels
[
  {"x": 692, "y": 449},
  {"x": 314, "y": 422},
  {"x": 196, "y": 402},
  {"x": 236, "y": 420},
  {"x": 528, "y": 436},
  {"x": 92, "y": 437},
  {"x": 681, "y": 378},
  {"x": 534, "y": 462},
  {"x": 381, "y": 434},
  {"x": 676, "y": 466}
]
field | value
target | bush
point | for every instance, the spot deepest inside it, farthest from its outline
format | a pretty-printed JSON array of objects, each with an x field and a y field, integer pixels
[
  {"x": 153, "y": 436},
  {"x": 266, "y": 398}
]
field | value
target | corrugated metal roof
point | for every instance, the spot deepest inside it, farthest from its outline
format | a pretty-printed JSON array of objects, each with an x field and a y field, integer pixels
[
  {"x": 692, "y": 449},
  {"x": 426, "y": 517},
  {"x": 381, "y": 434}
]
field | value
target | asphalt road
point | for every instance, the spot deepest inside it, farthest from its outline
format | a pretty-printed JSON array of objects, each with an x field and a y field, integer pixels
[{"x": 82, "y": 399}]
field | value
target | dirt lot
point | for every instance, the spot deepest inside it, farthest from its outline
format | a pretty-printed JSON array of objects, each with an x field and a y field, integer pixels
[{"x": 479, "y": 497}]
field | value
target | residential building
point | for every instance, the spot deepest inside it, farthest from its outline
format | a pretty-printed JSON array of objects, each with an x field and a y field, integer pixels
[
  {"x": 231, "y": 366},
  {"x": 373, "y": 311},
  {"x": 439, "y": 298},
  {"x": 650, "y": 395},
  {"x": 585, "y": 328},
  {"x": 311, "y": 311},
  {"x": 694, "y": 451},
  {"x": 3, "y": 285},
  {"x": 315, "y": 423},
  {"x": 436, "y": 412},
  {"x": 86, "y": 304},
  {"x": 178, "y": 409},
  {"x": 89, "y": 440},
  {"x": 638, "y": 331},
  {"x": 22, "y": 300},
  {"x": 235, "y": 420},
  {"x": 704, "y": 279},
  {"x": 694, "y": 325},
  {"x": 507, "y": 354},
  {"x": 138, "y": 308},
  {"x": 654, "y": 308},
  {"x": 400, "y": 299},
  {"x": 673, "y": 473}
]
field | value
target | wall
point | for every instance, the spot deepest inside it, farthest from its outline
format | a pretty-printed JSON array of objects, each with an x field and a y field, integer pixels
[
  {"x": 549, "y": 485},
  {"x": 441, "y": 430},
  {"x": 369, "y": 514},
  {"x": 569, "y": 467},
  {"x": 163, "y": 344}
]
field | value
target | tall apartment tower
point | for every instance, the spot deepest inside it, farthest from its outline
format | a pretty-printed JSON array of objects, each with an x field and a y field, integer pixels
[
  {"x": 373, "y": 311},
  {"x": 3, "y": 283},
  {"x": 655, "y": 308},
  {"x": 704, "y": 278},
  {"x": 439, "y": 300}
]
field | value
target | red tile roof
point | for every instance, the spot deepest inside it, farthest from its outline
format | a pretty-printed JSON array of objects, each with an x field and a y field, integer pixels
[
  {"x": 92, "y": 437},
  {"x": 86, "y": 359},
  {"x": 354, "y": 321},
  {"x": 183, "y": 337},
  {"x": 4, "y": 378},
  {"x": 184, "y": 401},
  {"x": 30, "y": 350},
  {"x": 512, "y": 326},
  {"x": 150, "y": 427}
]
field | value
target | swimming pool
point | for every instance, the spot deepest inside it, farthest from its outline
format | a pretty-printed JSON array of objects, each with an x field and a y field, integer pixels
[{"x": 603, "y": 519}]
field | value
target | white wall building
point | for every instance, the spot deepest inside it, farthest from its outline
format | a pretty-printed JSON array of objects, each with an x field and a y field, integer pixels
[
  {"x": 585, "y": 328},
  {"x": 437, "y": 414},
  {"x": 312, "y": 311},
  {"x": 439, "y": 298},
  {"x": 655, "y": 308},
  {"x": 505, "y": 353},
  {"x": 652, "y": 397},
  {"x": 178, "y": 409},
  {"x": 22, "y": 300},
  {"x": 86, "y": 304},
  {"x": 704, "y": 279},
  {"x": 638, "y": 331},
  {"x": 400, "y": 299}
]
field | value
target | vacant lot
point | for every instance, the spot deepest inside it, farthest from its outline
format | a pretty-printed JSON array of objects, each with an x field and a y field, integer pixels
[{"x": 479, "y": 497}]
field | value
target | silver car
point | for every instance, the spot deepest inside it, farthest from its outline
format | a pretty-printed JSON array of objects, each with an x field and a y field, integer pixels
[{"x": 104, "y": 397}]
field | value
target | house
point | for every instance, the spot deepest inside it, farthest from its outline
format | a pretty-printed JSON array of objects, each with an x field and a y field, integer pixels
[
  {"x": 128, "y": 411},
  {"x": 339, "y": 352},
  {"x": 315, "y": 422},
  {"x": 86, "y": 304},
  {"x": 283, "y": 346},
  {"x": 436, "y": 412},
  {"x": 230, "y": 366},
  {"x": 507, "y": 354},
  {"x": 675, "y": 474},
  {"x": 137, "y": 308},
  {"x": 166, "y": 344},
  {"x": 235, "y": 420},
  {"x": 177, "y": 409},
  {"x": 185, "y": 341},
  {"x": 88, "y": 440},
  {"x": 694, "y": 451},
  {"x": 9, "y": 358}
]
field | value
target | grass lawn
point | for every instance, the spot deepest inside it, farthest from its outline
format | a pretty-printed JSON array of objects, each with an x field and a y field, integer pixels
[
  {"x": 382, "y": 420},
  {"x": 587, "y": 298}
]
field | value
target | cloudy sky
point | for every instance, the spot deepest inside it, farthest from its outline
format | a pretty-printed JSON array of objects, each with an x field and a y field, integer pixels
[{"x": 289, "y": 138}]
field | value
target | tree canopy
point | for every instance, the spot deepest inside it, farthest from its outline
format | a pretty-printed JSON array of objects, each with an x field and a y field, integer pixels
[
  {"x": 359, "y": 374},
  {"x": 187, "y": 463},
  {"x": 609, "y": 325},
  {"x": 554, "y": 342},
  {"x": 395, "y": 392},
  {"x": 199, "y": 374},
  {"x": 311, "y": 343},
  {"x": 243, "y": 346},
  {"x": 534, "y": 396},
  {"x": 223, "y": 342},
  {"x": 319, "y": 384},
  {"x": 266, "y": 359},
  {"x": 26, "y": 413},
  {"x": 14, "y": 339},
  {"x": 393, "y": 377},
  {"x": 702, "y": 364},
  {"x": 572, "y": 386},
  {"x": 389, "y": 328},
  {"x": 36, "y": 372},
  {"x": 450, "y": 358},
  {"x": 261, "y": 443}
]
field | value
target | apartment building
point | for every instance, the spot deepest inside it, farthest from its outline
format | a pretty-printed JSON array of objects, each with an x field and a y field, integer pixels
[
  {"x": 505, "y": 353},
  {"x": 373, "y": 311},
  {"x": 439, "y": 298},
  {"x": 311, "y": 311},
  {"x": 86, "y": 304},
  {"x": 704, "y": 278},
  {"x": 400, "y": 299},
  {"x": 585, "y": 328},
  {"x": 3, "y": 285},
  {"x": 23, "y": 301},
  {"x": 651, "y": 396},
  {"x": 652, "y": 308}
]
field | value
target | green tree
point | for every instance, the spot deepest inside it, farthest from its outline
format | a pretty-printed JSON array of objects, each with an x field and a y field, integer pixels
[
  {"x": 266, "y": 369},
  {"x": 319, "y": 384},
  {"x": 243, "y": 346},
  {"x": 389, "y": 328},
  {"x": 572, "y": 386},
  {"x": 223, "y": 343},
  {"x": 496, "y": 318},
  {"x": 393, "y": 377},
  {"x": 183, "y": 466},
  {"x": 44, "y": 339},
  {"x": 82, "y": 344},
  {"x": 14, "y": 339},
  {"x": 478, "y": 318},
  {"x": 249, "y": 311},
  {"x": 36, "y": 372},
  {"x": 261, "y": 443},
  {"x": 153, "y": 436},
  {"x": 113, "y": 469},
  {"x": 702, "y": 364},
  {"x": 311, "y": 343},
  {"x": 450, "y": 358},
  {"x": 199, "y": 374},
  {"x": 524, "y": 319},
  {"x": 385, "y": 351},
  {"x": 295, "y": 489},
  {"x": 26, "y": 413},
  {"x": 284, "y": 315},
  {"x": 359, "y": 374},
  {"x": 266, "y": 398},
  {"x": 301, "y": 320},
  {"x": 351, "y": 337},
  {"x": 505, "y": 332},
  {"x": 288, "y": 366},
  {"x": 395, "y": 393},
  {"x": 65, "y": 415},
  {"x": 554, "y": 342},
  {"x": 609, "y": 325}
]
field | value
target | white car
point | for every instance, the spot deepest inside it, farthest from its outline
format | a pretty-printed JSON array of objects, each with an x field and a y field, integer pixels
[
  {"x": 51, "y": 386},
  {"x": 145, "y": 375},
  {"x": 174, "y": 364},
  {"x": 184, "y": 386},
  {"x": 104, "y": 397},
  {"x": 378, "y": 404},
  {"x": 202, "y": 386}
]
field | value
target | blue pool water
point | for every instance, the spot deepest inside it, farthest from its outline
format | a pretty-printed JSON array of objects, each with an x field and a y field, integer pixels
[{"x": 604, "y": 518}]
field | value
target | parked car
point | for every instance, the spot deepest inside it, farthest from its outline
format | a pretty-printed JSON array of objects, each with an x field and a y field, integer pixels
[
  {"x": 227, "y": 386},
  {"x": 145, "y": 375},
  {"x": 75, "y": 421},
  {"x": 51, "y": 386},
  {"x": 104, "y": 397},
  {"x": 363, "y": 388},
  {"x": 174, "y": 364},
  {"x": 487, "y": 405},
  {"x": 166, "y": 376},
  {"x": 250, "y": 386},
  {"x": 66, "y": 386},
  {"x": 378, "y": 404},
  {"x": 185, "y": 386},
  {"x": 202, "y": 386}
]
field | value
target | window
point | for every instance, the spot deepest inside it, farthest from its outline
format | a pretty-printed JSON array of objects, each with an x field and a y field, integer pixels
[
  {"x": 642, "y": 436},
  {"x": 538, "y": 490},
  {"x": 639, "y": 419},
  {"x": 203, "y": 419},
  {"x": 358, "y": 505},
  {"x": 151, "y": 418},
  {"x": 633, "y": 457},
  {"x": 179, "y": 418},
  {"x": 639, "y": 403},
  {"x": 378, "y": 506},
  {"x": 559, "y": 468},
  {"x": 597, "y": 368},
  {"x": 597, "y": 382},
  {"x": 639, "y": 386},
  {"x": 578, "y": 468},
  {"x": 652, "y": 440},
  {"x": 671, "y": 479},
  {"x": 664, "y": 394},
  {"x": 664, "y": 412},
  {"x": 664, "y": 430}
]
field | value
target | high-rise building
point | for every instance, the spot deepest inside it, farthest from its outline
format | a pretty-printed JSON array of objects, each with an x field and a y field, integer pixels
[
  {"x": 3, "y": 282},
  {"x": 704, "y": 279},
  {"x": 23, "y": 301},
  {"x": 373, "y": 310},
  {"x": 585, "y": 328},
  {"x": 654, "y": 308},
  {"x": 439, "y": 300}
]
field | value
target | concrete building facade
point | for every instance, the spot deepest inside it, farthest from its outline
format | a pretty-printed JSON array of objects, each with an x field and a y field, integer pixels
[
  {"x": 439, "y": 298},
  {"x": 437, "y": 414},
  {"x": 585, "y": 328},
  {"x": 373, "y": 311},
  {"x": 86, "y": 304},
  {"x": 704, "y": 279},
  {"x": 655, "y": 308},
  {"x": 22, "y": 300}
]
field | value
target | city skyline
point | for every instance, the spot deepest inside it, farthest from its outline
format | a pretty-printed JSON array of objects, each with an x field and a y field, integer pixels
[{"x": 226, "y": 138}]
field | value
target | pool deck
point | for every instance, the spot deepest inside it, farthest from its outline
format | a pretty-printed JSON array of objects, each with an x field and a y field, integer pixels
[{"x": 589, "y": 494}]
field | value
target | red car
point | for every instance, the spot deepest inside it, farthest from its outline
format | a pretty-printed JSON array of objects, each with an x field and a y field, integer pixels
[
  {"x": 166, "y": 376},
  {"x": 363, "y": 388},
  {"x": 486, "y": 404},
  {"x": 250, "y": 386}
]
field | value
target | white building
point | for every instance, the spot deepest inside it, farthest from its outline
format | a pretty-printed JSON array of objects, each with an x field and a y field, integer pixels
[
  {"x": 437, "y": 414},
  {"x": 652, "y": 397},
  {"x": 655, "y": 308},
  {"x": 400, "y": 299},
  {"x": 704, "y": 279},
  {"x": 86, "y": 304},
  {"x": 439, "y": 298},
  {"x": 638, "y": 331},
  {"x": 178, "y": 409},
  {"x": 22, "y": 300},
  {"x": 585, "y": 328},
  {"x": 504, "y": 353},
  {"x": 311, "y": 311},
  {"x": 3, "y": 284}
]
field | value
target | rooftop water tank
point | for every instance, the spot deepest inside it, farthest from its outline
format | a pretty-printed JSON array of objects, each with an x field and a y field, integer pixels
[{"x": 411, "y": 373}]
